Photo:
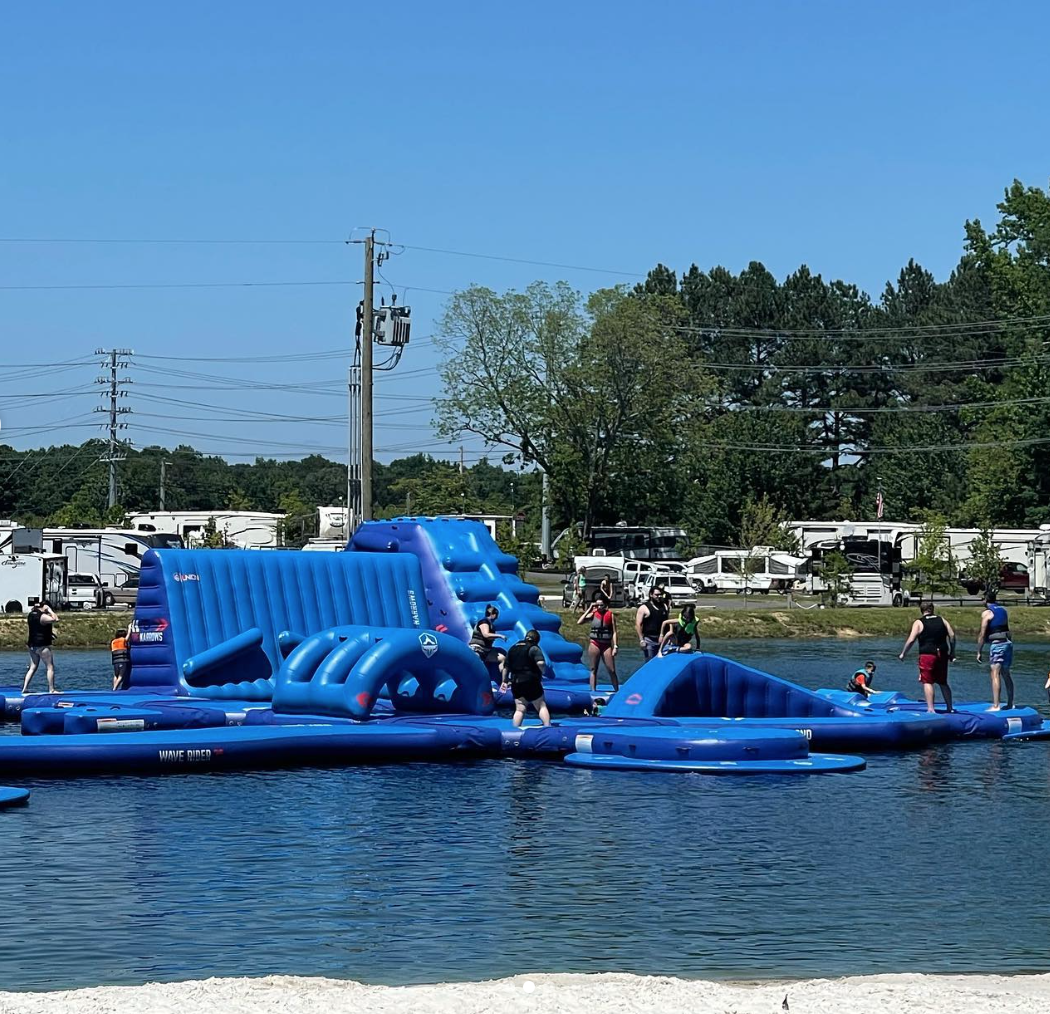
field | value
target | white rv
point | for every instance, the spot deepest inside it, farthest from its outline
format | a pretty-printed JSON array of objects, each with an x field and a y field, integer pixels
[
  {"x": 243, "y": 529},
  {"x": 1039, "y": 565},
  {"x": 333, "y": 525},
  {"x": 763, "y": 569},
  {"x": 28, "y": 578},
  {"x": 110, "y": 554}
]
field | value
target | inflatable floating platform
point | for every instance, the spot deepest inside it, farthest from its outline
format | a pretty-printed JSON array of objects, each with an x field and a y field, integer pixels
[
  {"x": 968, "y": 719},
  {"x": 13, "y": 797}
]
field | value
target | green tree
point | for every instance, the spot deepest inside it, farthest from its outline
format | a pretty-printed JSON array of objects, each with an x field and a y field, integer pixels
[
  {"x": 985, "y": 566},
  {"x": 570, "y": 385},
  {"x": 762, "y": 525},
  {"x": 931, "y": 572},
  {"x": 300, "y": 518},
  {"x": 211, "y": 537},
  {"x": 836, "y": 573}
]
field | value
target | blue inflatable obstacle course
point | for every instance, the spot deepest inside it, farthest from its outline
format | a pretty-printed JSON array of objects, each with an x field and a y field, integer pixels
[
  {"x": 694, "y": 689},
  {"x": 968, "y": 719},
  {"x": 13, "y": 797}
]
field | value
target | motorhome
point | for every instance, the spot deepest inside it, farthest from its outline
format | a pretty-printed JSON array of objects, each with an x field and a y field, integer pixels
[
  {"x": 242, "y": 529},
  {"x": 762, "y": 569},
  {"x": 1038, "y": 561},
  {"x": 110, "y": 554},
  {"x": 876, "y": 570},
  {"x": 333, "y": 524},
  {"x": 28, "y": 578},
  {"x": 630, "y": 542}
]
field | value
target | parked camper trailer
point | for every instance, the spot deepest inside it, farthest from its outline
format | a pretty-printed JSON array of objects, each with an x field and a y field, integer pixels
[
  {"x": 28, "y": 578},
  {"x": 243, "y": 529},
  {"x": 1038, "y": 560},
  {"x": 109, "y": 554},
  {"x": 762, "y": 569}
]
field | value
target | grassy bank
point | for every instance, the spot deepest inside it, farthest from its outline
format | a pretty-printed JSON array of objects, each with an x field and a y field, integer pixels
[
  {"x": 95, "y": 630},
  {"x": 1025, "y": 622},
  {"x": 74, "y": 630}
]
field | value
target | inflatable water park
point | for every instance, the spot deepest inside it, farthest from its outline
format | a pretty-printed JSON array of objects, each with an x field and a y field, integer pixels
[{"x": 245, "y": 659}]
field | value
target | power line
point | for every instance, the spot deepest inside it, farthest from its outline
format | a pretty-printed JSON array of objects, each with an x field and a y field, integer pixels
[{"x": 174, "y": 285}]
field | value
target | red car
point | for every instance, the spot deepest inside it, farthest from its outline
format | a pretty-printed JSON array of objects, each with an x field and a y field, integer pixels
[{"x": 1013, "y": 577}]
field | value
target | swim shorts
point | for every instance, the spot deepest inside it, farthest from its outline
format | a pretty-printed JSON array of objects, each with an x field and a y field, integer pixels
[
  {"x": 933, "y": 668},
  {"x": 1001, "y": 653},
  {"x": 527, "y": 690},
  {"x": 650, "y": 648}
]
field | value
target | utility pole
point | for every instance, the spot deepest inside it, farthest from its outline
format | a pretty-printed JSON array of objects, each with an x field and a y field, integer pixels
[
  {"x": 367, "y": 328},
  {"x": 545, "y": 521},
  {"x": 160, "y": 499},
  {"x": 461, "y": 468},
  {"x": 113, "y": 455}
]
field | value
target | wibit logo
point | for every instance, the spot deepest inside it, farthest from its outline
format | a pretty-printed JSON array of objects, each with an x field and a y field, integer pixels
[
  {"x": 429, "y": 643},
  {"x": 186, "y": 577}
]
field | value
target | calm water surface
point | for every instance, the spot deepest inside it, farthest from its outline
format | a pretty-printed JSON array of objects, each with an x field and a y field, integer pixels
[{"x": 931, "y": 861}]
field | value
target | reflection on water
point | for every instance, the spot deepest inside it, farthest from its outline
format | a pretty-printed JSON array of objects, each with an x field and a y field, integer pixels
[{"x": 466, "y": 871}]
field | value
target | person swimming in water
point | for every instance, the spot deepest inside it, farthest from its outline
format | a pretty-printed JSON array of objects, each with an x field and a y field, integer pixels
[
  {"x": 681, "y": 634},
  {"x": 861, "y": 681}
]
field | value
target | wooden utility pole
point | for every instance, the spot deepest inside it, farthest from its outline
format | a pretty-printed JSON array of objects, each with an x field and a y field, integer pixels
[{"x": 367, "y": 325}]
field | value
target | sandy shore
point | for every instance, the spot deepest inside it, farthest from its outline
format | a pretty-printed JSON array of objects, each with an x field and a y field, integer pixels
[{"x": 593, "y": 994}]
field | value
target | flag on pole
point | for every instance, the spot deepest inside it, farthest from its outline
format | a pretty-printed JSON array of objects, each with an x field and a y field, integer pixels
[{"x": 879, "y": 505}]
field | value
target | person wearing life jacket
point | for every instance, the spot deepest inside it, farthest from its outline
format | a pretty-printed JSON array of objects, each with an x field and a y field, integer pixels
[
  {"x": 602, "y": 646},
  {"x": 41, "y": 635},
  {"x": 649, "y": 622},
  {"x": 523, "y": 667},
  {"x": 861, "y": 681},
  {"x": 120, "y": 655},
  {"x": 995, "y": 629},
  {"x": 936, "y": 649},
  {"x": 680, "y": 634},
  {"x": 484, "y": 634}
]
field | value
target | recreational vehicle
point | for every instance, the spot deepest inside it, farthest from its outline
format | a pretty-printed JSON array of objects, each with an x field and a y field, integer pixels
[
  {"x": 762, "y": 569},
  {"x": 28, "y": 578},
  {"x": 243, "y": 529},
  {"x": 633, "y": 543},
  {"x": 109, "y": 554}
]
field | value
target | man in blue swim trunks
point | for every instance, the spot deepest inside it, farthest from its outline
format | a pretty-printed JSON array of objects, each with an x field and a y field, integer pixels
[{"x": 995, "y": 629}]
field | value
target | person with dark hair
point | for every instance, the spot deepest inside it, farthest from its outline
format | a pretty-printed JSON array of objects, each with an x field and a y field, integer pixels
[
  {"x": 862, "y": 680},
  {"x": 679, "y": 635},
  {"x": 41, "y": 621},
  {"x": 484, "y": 635},
  {"x": 995, "y": 629},
  {"x": 523, "y": 666},
  {"x": 605, "y": 589},
  {"x": 120, "y": 655},
  {"x": 649, "y": 621},
  {"x": 936, "y": 649},
  {"x": 602, "y": 646}
]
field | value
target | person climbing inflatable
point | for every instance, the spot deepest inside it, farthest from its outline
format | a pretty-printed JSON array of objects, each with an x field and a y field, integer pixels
[
  {"x": 484, "y": 635},
  {"x": 862, "y": 679},
  {"x": 681, "y": 634}
]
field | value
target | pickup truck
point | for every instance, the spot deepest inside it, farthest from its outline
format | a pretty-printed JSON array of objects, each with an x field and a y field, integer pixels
[
  {"x": 1013, "y": 578},
  {"x": 85, "y": 591}
]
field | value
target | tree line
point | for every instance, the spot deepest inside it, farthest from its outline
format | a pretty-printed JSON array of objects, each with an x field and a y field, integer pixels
[{"x": 696, "y": 394}]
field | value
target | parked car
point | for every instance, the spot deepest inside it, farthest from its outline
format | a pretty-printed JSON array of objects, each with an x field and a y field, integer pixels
[
  {"x": 676, "y": 584},
  {"x": 85, "y": 591},
  {"x": 1013, "y": 577},
  {"x": 127, "y": 594}
]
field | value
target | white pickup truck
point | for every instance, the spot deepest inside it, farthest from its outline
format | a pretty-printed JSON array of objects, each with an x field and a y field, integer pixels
[{"x": 85, "y": 591}]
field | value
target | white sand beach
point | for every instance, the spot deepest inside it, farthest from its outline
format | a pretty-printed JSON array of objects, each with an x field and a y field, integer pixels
[{"x": 586, "y": 994}]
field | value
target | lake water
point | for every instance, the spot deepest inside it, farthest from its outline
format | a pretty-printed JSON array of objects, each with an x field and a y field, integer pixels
[{"x": 929, "y": 861}]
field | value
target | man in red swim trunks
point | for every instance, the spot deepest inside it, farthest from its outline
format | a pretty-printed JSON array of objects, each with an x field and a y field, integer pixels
[{"x": 936, "y": 649}]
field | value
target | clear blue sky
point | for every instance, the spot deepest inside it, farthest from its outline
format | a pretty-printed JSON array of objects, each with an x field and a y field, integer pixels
[{"x": 613, "y": 135}]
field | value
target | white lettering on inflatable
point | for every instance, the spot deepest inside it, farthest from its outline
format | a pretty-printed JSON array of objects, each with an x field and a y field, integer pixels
[
  {"x": 808, "y": 733},
  {"x": 151, "y": 636},
  {"x": 184, "y": 756},
  {"x": 413, "y": 607},
  {"x": 186, "y": 577}
]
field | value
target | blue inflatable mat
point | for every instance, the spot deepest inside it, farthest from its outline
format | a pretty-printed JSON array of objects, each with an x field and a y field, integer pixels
[
  {"x": 560, "y": 700},
  {"x": 13, "y": 797},
  {"x": 1042, "y": 731},
  {"x": 229, "y": 748},
  {"x": 821, "y": 763}
]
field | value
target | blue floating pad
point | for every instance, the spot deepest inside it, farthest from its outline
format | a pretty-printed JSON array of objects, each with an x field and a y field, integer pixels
[
  {"x": 13, "y": 797},
  {"x": 1041, "y": 732},
  {"x": 234, "y": 747},
  {"x": 564, "y": 700},
  {"x": 819, "y": 763}
]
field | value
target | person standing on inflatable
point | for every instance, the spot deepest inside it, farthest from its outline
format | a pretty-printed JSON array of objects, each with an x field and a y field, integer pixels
[
  {"x": 523, "y": 665},
  {"x": 41, "y": 621},
  {"x": 602, "y": 646},
  {"x": 995, "y": 629},
  {"x": 936, "y": 649},
  {"x": 649, "y": 621}
]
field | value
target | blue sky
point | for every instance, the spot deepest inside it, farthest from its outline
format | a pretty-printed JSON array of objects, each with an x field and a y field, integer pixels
[{"x": 849, "y": 137}]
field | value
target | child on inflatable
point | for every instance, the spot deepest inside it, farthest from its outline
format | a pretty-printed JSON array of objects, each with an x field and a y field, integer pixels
[
  {"x": 680, "y": 634},
  {"x": 862, "y": 679}
]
